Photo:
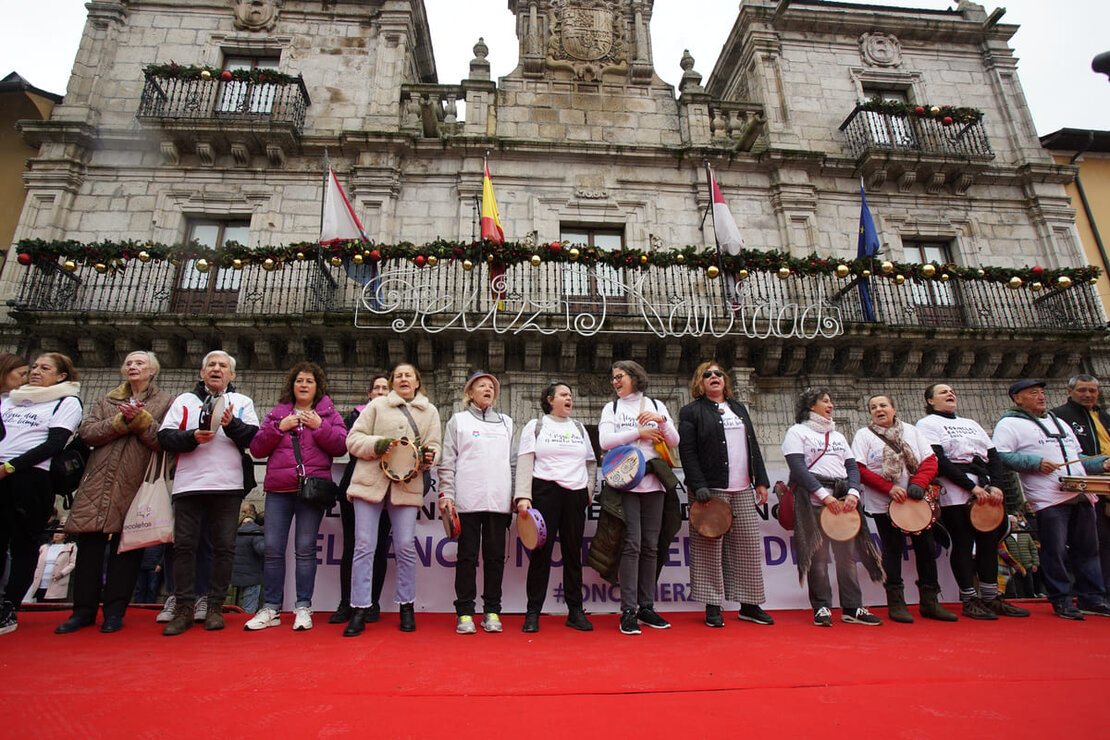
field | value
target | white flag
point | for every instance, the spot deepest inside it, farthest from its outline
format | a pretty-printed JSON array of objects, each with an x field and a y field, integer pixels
[
  {"x": 724, "y": 227},
  {"x": 339, "y": 222}
]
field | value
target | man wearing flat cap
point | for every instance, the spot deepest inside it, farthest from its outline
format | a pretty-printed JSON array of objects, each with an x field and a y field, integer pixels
[{"x": 1042, "y": 448}]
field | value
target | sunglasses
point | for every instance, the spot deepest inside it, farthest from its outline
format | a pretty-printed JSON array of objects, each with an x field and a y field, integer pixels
[{"x": 710, "y": 373}]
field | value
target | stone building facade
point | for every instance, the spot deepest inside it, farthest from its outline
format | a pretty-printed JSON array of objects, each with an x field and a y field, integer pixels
[{"x": 587, "y": 145}]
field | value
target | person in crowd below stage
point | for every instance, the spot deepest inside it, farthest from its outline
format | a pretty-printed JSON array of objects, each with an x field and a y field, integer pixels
[
  {"x": 213, "y": 474},
  {"x": 379, "y": 386},
  {"x": 149, "y": 582},
  {"x": 250, "y": 558},
  {"x": 56, "y": 561},
  {"x": 969, "y": 470},
  {"x": 897, "y": 463},
  {"x": 1041, "y": 448},
  {"x": 306, "y": 417},
  {"x": 13, "y": 373},
  {"x": 555, "y": 474},
  {"x": 122, "y": 429},
  {"x": 721, "y": 458},
  {"x": 824, "y": 473},
  {"x": 476, "y": 479},
  {"x": 1024, "y": 550},
  {"x": 38, "y": 420},
  {"x": 635, "y": 419},
  {"x": 1091, "y": 424},
  {"x": 404, "y": 412}
]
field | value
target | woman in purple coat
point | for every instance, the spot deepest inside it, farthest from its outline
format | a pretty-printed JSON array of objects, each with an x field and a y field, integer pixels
[{"x": 306, "y": 413}]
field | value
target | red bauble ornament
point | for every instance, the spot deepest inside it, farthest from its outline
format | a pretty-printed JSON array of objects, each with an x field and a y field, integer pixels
[
  {"x": 24, "y": 259},
  {"x": 226, "y": 75},
  {"x": 947, "y": 121},
  {"x": 919, "y": 110},
  {"x": 1037, "y": 270},
  {"x": 420, "y": 260},
  {"x": 375, "y": 255},
  {"x": 555, "y": 247}
]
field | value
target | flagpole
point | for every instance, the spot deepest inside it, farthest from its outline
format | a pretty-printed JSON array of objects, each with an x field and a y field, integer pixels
[{"x": 324, "y": 193}]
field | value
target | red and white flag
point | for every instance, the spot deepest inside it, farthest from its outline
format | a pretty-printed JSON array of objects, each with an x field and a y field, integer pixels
[
  {"x": 339, "y": 222},
  {"x": 724, "y": 227}
]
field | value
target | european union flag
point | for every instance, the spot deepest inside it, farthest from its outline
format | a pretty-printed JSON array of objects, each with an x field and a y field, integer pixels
[{"x": 868, "y": 247}]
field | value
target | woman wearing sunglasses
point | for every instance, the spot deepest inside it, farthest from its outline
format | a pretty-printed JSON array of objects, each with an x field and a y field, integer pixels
[{"x": 722, "y": 459}]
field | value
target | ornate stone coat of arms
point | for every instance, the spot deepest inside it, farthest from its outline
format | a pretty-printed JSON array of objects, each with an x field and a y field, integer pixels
[
  {"x": 586, "y": 38},
  {"x": 255, "y": 15}
]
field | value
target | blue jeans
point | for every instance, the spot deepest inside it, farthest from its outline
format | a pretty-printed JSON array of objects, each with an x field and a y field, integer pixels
[
  {"x": 367, "y": 516},
  {"x": 1068, "y": 535},
  {"x": 281, "y": 508},
  {"x": 250, "y": 598}
]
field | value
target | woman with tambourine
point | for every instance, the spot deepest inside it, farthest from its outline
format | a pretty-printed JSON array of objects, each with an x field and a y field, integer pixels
[
  {"x": 555, "y": 473},
  {"x": 300, "y": 437},
  {"x": 638, "y": 422},
  {"x": 395, "y": 438},
  {"x": 826, "y": 481},
  {"x": 476, "y": 484},
  {"x": 970, "y": 472},
  {"x": 722, "y": 460},
  {"x": 896, "y": 466}
]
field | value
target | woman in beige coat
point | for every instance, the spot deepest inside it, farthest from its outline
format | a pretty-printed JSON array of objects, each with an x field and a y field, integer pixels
[
  {"x": 123, "y": 430},
  {"x": 405, "y": 412}
]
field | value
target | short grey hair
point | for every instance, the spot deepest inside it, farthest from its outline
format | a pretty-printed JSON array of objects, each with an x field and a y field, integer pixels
[
  {"x": 150, "y": 358},
  {"x": 230, "y": 359},
  {"x": 1080, "y": 378}
]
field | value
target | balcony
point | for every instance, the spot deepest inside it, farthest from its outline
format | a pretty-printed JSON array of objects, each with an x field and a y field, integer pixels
[
  {"x": 912, "y": 149},
  {"x": 212, "y": 116}
]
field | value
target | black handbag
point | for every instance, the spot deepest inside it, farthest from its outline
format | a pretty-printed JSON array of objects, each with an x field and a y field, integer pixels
[{"x": 322, "y": 492}]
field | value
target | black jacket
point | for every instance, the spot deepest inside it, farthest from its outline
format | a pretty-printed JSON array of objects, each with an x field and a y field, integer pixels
[
  {"x": 703, "y": 449},
  {"x": 1080, "y": 421}
]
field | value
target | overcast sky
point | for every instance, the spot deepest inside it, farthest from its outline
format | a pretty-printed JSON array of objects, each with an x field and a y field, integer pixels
[{"x": 39, "y": 38}]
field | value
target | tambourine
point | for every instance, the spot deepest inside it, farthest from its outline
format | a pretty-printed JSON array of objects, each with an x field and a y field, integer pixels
[
  {"x": 841, "y": 527},
  {"x": 452, "y": 527},
  {"x": 913, "y": 517},
  {"x": 401, "y": 462},
  {"x": 212, "y": 413},
  {"x": 532, "y": 529},
  {"x": 623, "y": 467},
  {"x": 985, "y": 517},
  {"x": 1097, "y": 484},
  {"x": 711, "y": 519}
]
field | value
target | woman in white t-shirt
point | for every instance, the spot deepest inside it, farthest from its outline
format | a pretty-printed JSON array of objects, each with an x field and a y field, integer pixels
[
  {"x": 823, "y": 473},
  {"x": 555, "y": 473},
  {"x": 39, "y": 418},
  {"x": 896, "y": 463}
]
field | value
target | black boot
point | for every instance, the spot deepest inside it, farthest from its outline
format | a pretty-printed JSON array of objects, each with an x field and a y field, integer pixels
[
  {"x": 374, "y": 614},
  {"x": 74, "y": 623},
  {"x": 408, "y": 618},
  {"x": 896, "y": 605},
  {"x": 357, "y": 624},
  {"x": 930, "y": 604},
  {"x": 342, "y": 613}
]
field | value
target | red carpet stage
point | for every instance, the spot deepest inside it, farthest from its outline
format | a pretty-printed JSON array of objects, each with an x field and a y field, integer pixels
[{"x": 1038, "y": 677}]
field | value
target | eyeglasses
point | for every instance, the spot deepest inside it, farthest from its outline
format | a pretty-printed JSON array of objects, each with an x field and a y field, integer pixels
[
  {"x": 710, "y": 373},
  {"x": 619, "y": 377}
]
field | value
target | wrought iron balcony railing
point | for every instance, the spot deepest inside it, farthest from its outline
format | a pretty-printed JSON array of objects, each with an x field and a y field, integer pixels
[
  {"x": 551, "y": 298},
  {"x": 869, "y": 131},
  {"x": 176, "y": 99}
]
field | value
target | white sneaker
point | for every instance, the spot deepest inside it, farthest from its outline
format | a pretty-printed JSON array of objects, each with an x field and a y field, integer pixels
[
  {"x": 266, "y": 617},
  {"x": 167, "y": 609},
  {"x": 200, "y": 609},
  {"x": 491, "y": 622},
  {"x": 464, "y": 625},
  {"x": 302, "y": 618}
]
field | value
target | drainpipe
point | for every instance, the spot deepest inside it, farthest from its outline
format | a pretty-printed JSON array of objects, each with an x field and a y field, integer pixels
[{"x": 1087, "y": 205}]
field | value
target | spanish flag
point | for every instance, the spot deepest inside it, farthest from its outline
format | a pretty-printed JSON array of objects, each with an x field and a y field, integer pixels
[{"x": 491, "y": 222}]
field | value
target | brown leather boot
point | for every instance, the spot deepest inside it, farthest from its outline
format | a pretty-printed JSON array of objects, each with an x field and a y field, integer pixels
[
  {"x": 182, "y": 620},
  {"x": 214, "y": 619},
  {"x": 930, "y": 605},
  {"x": 896, "y": 605}
]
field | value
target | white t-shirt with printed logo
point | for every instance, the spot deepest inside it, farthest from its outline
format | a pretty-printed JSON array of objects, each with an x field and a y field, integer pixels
[
  {"x": 801, "y": 439},
  {"x": 561, "y": 452},
  {"x": 962, "y": 441},
  {"x": 736, "y": 442},
  {"x": 28, "y": 424}
]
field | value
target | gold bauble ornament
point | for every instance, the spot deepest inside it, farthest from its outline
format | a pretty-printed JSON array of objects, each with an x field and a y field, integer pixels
[
  {"x": 680, "y": 258},
  {"x": 1063, "y": 282},
  {"x": 535, "y": 260},
  {"x": 742, "y": 274},
  {"x": 1035, "y": 287},
  {"x": 489, "y": 258},
  {"x": 468, "y": 265},
  {"x": 928, "y": 270},
  {"x": 269, "y": 265},
  {"x": 237, "y": 264},
  {"x": 842, "y": 271},
  {"x": 432, "y": 260},
  {"x": 865, "y": 273},
  {"x": 980, "y": 272},
  {"x": 144, "y": 256},
  {"x": 1093, "y": 281},
  {"x": 203, "y": 266},
  {"x": 712, "y": 271},
  {"x": 69, "y": 266},
  {"x": 935, "y": 109},
  {"x": 574, "y": 253},
  {"x": 357, "y": 259},
  {"x": 300, "y": 256},
  {"x": 887, "y": 267},
  {"x": 100, "y": 267},
  {"x": 205, "y": 74},
  {"x": 336, "y": 261},
  {"x": 175, "y": 261},
  {"x": 899, "y": 279},
  {"x": 643, "y": 259},
  {"x": 944, "y": 276},
  {"x": 783, "y": 273},
  {"x": 1015, "y": 282}
]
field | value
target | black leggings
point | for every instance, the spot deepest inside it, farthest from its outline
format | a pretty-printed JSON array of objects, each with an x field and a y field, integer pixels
[
  {"x": 957, "y": 520},
  {"x": 894, "y": 543},
  {"x": 26, "y": 503}
]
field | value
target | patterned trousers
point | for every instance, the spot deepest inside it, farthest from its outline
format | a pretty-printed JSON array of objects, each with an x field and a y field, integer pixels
[{"x": 729, "y": 567}]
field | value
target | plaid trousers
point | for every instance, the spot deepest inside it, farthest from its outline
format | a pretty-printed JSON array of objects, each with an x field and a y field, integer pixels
[{"x": 729, "y": 567}]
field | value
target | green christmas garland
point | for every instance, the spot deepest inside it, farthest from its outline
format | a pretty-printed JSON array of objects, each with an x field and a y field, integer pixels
[
  {"x": 116, "y": 255},
  {"x": 946, "y": 114},
  {"x": 175, "y": 71}
]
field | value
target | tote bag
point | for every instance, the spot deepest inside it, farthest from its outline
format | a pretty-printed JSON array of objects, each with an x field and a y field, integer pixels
[{"x": 149, "y": 521}]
